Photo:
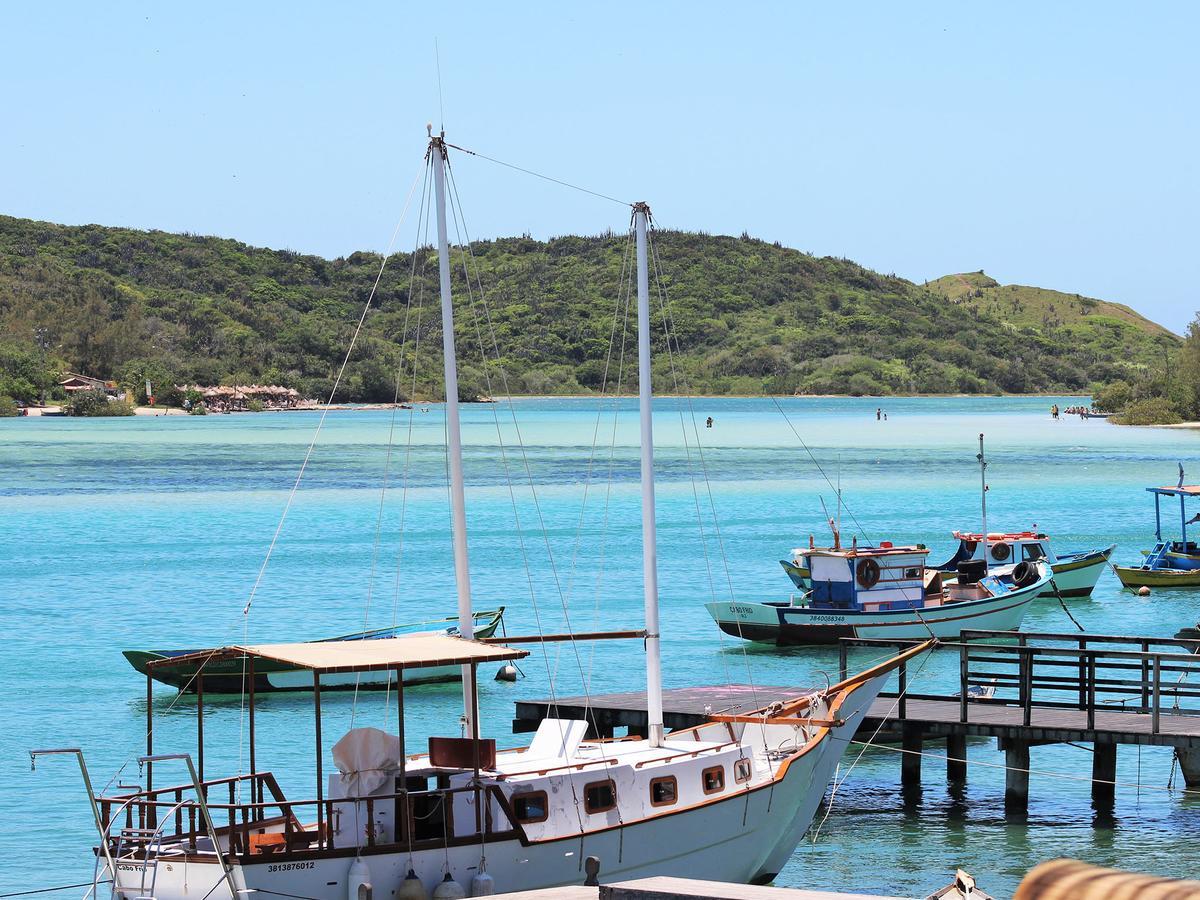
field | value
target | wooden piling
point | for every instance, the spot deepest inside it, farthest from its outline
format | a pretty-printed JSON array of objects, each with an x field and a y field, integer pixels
[
  {"x": 910, "y": 760},
  {"x": 1104, "y": 773},
  {"x": 1016, "y": 776},
  {"x": 956, "y": 758}
]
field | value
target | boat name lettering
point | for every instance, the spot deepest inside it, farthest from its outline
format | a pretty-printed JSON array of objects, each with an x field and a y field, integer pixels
[
  {"x": 287, "y": 867},
  {"x": 742, "y": 610}
]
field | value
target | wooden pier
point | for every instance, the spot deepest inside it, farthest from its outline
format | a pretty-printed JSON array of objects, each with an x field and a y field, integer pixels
[{"x": 1103, "y": 690}]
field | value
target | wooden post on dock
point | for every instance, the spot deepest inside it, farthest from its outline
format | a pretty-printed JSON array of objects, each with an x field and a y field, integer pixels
[
  {"x": 910, "y": 760},
  {"x": 956, "y": 758},
  {"x": 1016, "y": 776},
  {"x": 1104, "y": 774}
]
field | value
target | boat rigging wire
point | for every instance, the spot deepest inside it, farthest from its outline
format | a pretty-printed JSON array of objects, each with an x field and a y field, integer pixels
[
  {"x": 813, "y": 457},
  {"x": 517, "y": 168},
  {"x": 669, "y": 325},
  {"x": 332, "y": 393},
  {"x": 61, "y": 887},
  {"x": 838, "y": 782},
  {"x": 422, "y": 220}
]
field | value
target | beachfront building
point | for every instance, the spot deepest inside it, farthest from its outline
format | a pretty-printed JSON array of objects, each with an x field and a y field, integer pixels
[{"x": 72, "y": 383}]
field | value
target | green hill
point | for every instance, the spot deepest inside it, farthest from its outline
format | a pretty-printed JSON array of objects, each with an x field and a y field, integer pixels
[
  {"x": 751, "y": 317},
  {"x": 1097, "y": 325}
]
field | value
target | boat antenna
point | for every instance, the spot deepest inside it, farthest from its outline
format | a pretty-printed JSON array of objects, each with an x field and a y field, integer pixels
[
  {"x": 654, "y": 710},
  {"x": 983, "y": 489},
  {"x": 458, "y": 508}
]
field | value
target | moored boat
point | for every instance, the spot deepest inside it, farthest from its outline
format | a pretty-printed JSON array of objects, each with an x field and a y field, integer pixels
[
  {"x": 726, "y": 800},
  {"x": 225, "y": 677},
  {"x": 1074, "y": 573},
  {"x": 1170, "y": 564},
  {"x": 887, "y": 592}
]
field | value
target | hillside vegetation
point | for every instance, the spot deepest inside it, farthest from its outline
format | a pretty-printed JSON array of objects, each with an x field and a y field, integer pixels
[{"x": 750, "y": 316}]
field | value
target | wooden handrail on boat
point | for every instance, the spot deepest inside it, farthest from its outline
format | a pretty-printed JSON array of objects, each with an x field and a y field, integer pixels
[{"x": 779, "y": 720}]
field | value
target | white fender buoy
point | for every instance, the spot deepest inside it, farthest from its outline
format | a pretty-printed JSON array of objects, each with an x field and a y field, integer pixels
[
  {"x": 1143, "y": 591},
  {"x": 483, "y": 885},
  {"x": 411, "y": 888},
  {"x": 507, "y": 672},
  {"x": 359, "y": 875},
  {"x": 449, "y": 889}
]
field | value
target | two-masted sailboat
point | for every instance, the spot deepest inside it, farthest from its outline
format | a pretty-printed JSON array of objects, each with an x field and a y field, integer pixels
[{"x": 726, "y": 800}]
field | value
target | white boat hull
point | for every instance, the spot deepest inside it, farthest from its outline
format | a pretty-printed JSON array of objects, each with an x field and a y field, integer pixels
[
  {"x": 746, "y": 836},
  {"x": 783, "y": 624}
]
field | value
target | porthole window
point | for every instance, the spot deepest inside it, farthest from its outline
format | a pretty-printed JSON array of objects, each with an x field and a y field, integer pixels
[
  {"x": 530, "y": 807},
  {"x": 600, "y": 796},
  {"x": 742, "y": 769},
  {"x": 713, "y": 779},
  {"x": 664, "y": 791}
]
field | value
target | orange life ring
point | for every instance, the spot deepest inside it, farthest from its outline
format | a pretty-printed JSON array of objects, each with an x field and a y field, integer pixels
[{"x": 867, "y": 573}]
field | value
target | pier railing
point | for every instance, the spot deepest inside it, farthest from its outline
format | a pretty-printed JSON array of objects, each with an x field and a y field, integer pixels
[{"x": 1050, "y": 670}]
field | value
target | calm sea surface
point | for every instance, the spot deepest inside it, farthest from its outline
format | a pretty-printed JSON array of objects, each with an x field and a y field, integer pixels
[{"x": 149, "y": 532}]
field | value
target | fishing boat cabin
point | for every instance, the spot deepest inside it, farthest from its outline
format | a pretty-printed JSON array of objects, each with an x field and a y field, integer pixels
[
  {"x": 887, "y": 578},
  {"x": 1003, "y": 548}
]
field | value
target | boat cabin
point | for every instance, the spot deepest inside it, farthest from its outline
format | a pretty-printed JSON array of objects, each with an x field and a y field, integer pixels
[
  {"x": 1003, "y": 549},
  {"x": 871, "y": 579}
]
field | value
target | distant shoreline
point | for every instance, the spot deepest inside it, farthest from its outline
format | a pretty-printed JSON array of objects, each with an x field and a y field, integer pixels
[{"x": 56, "y": 411}]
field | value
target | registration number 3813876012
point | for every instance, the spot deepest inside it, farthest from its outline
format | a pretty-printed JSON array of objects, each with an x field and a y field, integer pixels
[{"x": 287, "y": 867}]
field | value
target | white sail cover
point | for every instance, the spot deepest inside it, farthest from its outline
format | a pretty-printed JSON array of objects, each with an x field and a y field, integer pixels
[{"x": 367, "y": 759}]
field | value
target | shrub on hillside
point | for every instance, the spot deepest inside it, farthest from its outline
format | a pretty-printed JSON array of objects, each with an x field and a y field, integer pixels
[
  {"x": 8, "y": 407},
  {"x": 1152, "y": 411},
  {"x": 1113, "y": 397}
]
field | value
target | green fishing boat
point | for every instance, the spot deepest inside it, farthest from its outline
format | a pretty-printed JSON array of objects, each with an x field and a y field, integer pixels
[{"x": 231, "y": 676}]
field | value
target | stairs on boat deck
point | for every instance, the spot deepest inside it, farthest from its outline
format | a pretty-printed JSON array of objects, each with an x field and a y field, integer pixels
[{"x": 141, "y": 847}]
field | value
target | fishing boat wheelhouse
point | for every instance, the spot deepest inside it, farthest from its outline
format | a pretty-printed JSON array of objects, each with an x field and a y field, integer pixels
[
  {"x": 1075, "y": 573},
  {"x": 886, "y": 591},
  {"x": 1170, "y": 563}
]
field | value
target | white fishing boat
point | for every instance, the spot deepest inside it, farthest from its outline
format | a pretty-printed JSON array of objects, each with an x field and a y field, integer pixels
[
  {"x": 1075, "y": 572},
  {"x": 888, "y": 592},
  {"x": 726, "y": 800},
  {"x": 885, "y": 592}
]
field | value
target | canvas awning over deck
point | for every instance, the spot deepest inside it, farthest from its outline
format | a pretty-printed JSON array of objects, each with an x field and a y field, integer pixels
[
  {"x": 1187, "y": 490},
  {"x": 416, "y": 651}
]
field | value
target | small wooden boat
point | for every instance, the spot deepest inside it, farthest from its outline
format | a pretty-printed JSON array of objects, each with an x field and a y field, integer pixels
[
  {"x": 1170, "y": 564},
  {"x": 887, "y": 592},
  {"x": 1075, "y": 573},
  {"x": 230, "y": 676}
]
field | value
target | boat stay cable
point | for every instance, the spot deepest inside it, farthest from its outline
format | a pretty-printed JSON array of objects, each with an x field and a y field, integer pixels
[
  {"x": 671, "y": 334},
  {"x": 559, "y": 181},
  {"x": 422, "y": 220},
  {"x": 815, "y": 462},
  {"x": 244, "y": 611},
  {"x": 474, "y": 283},
  {"x": 471, "y": 269}
]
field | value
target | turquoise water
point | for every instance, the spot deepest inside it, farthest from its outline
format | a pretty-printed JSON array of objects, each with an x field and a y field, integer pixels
[{"x": 149, "y": 532}]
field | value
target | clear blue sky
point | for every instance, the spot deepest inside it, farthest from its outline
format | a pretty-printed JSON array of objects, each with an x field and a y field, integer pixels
[{"x": 1050, "y": 144}]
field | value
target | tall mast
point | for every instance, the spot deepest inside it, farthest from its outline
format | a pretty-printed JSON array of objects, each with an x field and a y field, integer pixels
[
  {"x": 458, "y": 504},
  {"x": 641, "y": 216},
  {"x": 983, "y": 500}
]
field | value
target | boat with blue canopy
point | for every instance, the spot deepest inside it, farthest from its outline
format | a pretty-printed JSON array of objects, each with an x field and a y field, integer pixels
[{"x": 1170, "y": 563}]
